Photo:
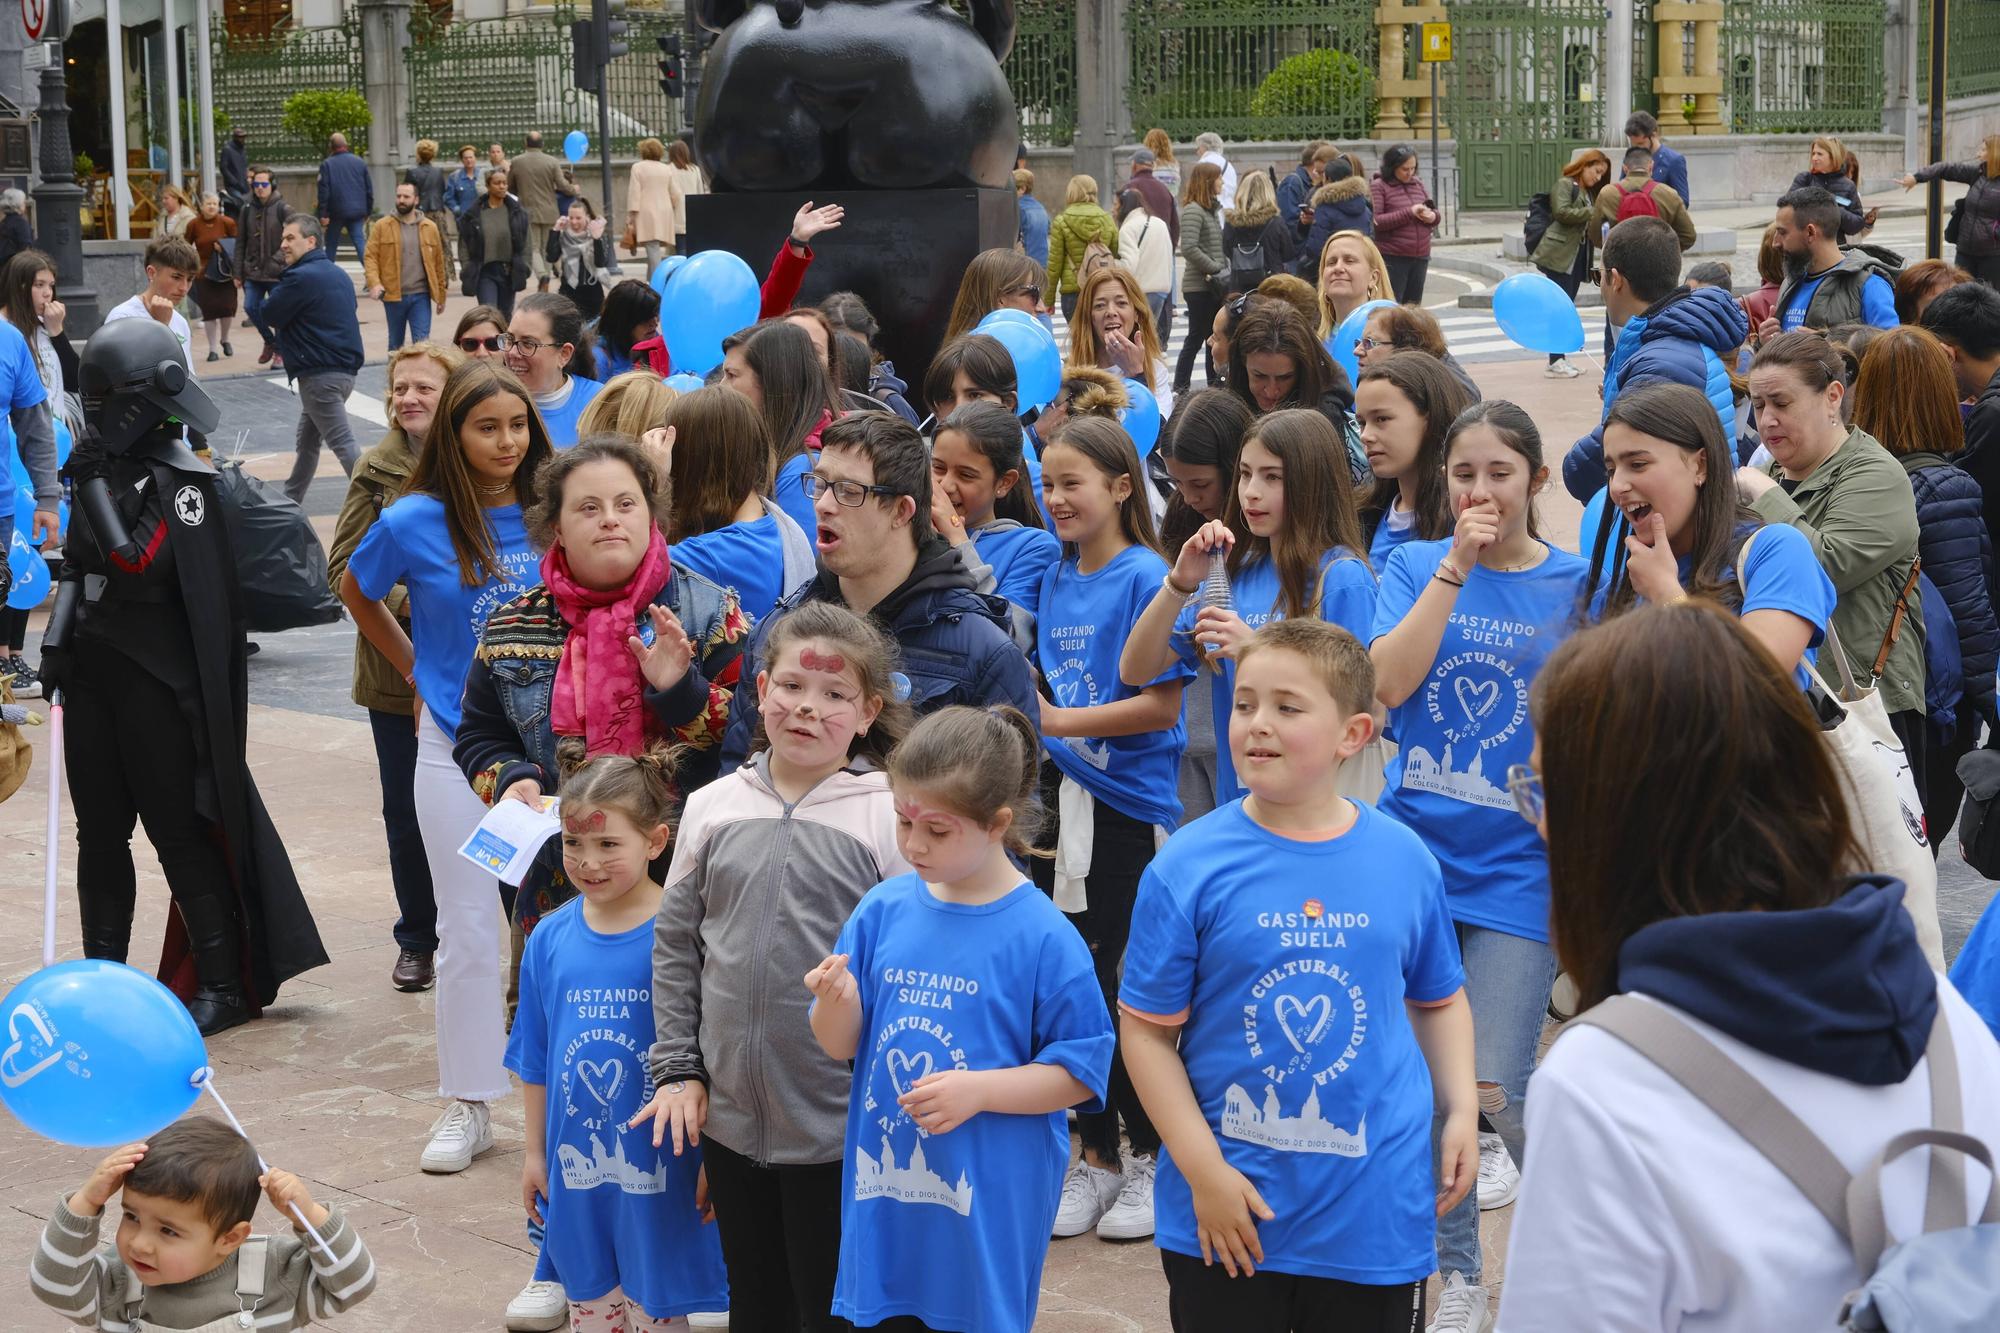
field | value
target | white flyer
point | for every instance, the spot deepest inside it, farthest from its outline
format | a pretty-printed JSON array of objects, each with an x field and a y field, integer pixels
[{"x": 505, "y": 842}]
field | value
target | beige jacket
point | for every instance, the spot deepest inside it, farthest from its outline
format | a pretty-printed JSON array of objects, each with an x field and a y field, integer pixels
[
  {"x": 534, "y": 177},
  {"x": 693, "y": 181},
  {"x": 382, "y": 261},
  {"x": 653, "y": 202}
]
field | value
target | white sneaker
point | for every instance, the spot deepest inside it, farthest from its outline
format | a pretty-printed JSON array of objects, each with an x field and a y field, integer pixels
[
  {"x": 1461, "y": 1308},
  {"x": 1131, "y": 1217},
  {"x": 1561, "y": 370},
  {"x": 541, "y": 1307},
  {"x": 463, "y": 1132},
  {"x": 1499, "y": 1178},
  {"x": 1087, "y": 1194}
]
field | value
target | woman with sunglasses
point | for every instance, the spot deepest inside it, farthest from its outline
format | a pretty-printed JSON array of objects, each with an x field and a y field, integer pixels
[
  {"x": 547, "y": 348},
  {"x": 480, "y": 331},
  {"x": 996, "y": 280}
]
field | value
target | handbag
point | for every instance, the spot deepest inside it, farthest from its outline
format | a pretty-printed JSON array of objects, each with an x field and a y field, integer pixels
[
  {"x": 630, "y": 238},
  {"x": 221, "y": 261},
  {"x": 1875, "y": 775},
  {"x": 1952, "y": 223}
]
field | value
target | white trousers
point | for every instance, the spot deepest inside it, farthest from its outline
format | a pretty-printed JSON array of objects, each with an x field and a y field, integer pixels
[{"x": 471, "y": 1029}]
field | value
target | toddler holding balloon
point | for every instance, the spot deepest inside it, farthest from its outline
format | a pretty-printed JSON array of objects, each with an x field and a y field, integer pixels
[{"x": 184, "y": 1257}]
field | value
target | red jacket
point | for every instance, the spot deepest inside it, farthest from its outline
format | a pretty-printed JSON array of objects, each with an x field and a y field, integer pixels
[
  {"x": 781, "y": 288},
  {"x": 1397, "y": 231}
]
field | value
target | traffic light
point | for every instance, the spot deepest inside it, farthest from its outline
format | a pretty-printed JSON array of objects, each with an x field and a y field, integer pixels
[
  {"x": 670, "y": 63},
  {"x": 612, "y": 42},
  {"x": 586, "y": 69}
]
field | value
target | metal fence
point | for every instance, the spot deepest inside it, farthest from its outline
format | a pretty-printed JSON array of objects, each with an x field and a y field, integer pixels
[
  {"x": 254, "y": 76},
  {"x": 1803, "y": 66},
  {"x": 1253, "y": 69},
  {"x": 479, "y": 83},
  {"x": 1041, "y": 69},
  {"x": 1972, "y": 48}
]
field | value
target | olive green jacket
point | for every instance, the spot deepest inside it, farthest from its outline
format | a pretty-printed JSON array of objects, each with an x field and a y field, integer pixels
[
  {"x": 1570, "y": 214},
  {"x": 378, "y": 479},
  {"x": 1074, "y": 229},
  {"x": 1860, "y": 515}
]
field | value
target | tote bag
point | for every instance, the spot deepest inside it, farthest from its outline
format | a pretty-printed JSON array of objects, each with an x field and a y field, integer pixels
[
  {"x": 1881, "y": 790},
  {"x": 1363, "y": 774}
]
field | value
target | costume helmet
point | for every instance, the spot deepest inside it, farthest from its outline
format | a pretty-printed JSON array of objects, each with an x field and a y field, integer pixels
[{"x": 132, "y": 378}]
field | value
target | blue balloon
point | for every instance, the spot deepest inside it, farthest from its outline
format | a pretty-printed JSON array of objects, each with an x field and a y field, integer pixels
[
  {"x": 663, "y": 270},
  {"x": 1535, "y": 313},
  {"x": 1141, "y": 415},
  {"x": 1340, "y": 343},
  {"x": 64, "y": 442},
  {"x": 1596, "y": 514},
  {"x": 24, "y": 514},
  {"x": 1007, "y": 314},
  {"x": 30, "y": 571},
  {"x": 684, "y": 382},
  {"x": 1037, "y": 363},
  {"x": 713, "y": 295},
  {"x": 98, "y": 1054},
  {"x": 576, "y": 145}
]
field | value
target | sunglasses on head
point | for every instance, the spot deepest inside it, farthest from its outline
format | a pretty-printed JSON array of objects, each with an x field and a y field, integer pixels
[{"x": 492, "y": 344}]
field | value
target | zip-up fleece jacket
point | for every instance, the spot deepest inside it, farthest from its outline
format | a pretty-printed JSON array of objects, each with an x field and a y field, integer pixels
[{"x": 755, "y": 898}]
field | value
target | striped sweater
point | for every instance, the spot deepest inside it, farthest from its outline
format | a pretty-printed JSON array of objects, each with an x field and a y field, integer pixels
[{"x": 92, "y": 1287}]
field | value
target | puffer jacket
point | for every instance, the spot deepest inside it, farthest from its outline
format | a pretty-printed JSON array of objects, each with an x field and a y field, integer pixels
[
  {"x": 1341, "y": 206},
  {"x": 1201, "y": 247},
  {"x": 1688, "y": 337},
  {"x": 1980, "y": 459},
  {"x": 1844, "y": 192},
  {"x": 1278, "y": 240},
  {"x": 1958, "y": 559},
  {"x": 953, "y": 642},
  {"x": 1397, "y": 231},
  {"x": 756, "y": 895},
  {"x": 1069, "y": 235},
  {"x": 1979, "y": 228}
]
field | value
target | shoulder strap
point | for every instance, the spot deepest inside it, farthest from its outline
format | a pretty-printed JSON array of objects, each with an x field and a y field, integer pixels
[
  {"x": 251, "y": 1259},
  {"x": 1895, "y": 629},
  {"x": 1647, "y": 188},
  {"x": 1743, "y": 562}
]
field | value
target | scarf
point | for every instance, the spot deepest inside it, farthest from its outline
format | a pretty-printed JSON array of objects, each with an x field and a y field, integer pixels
[
  {"x": 576, "y": 267},
  {"x": 599, "y": 691}
]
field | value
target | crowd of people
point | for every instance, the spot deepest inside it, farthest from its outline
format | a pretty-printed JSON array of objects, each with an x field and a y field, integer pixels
[{"x": 933, "y": 763}]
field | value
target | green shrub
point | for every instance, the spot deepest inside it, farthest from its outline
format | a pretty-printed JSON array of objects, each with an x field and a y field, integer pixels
[
  {"x": 314, "y": 115},
  {"x": 1323, "y": 85}
]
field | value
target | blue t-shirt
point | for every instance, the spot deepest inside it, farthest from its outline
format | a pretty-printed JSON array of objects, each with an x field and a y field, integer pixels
[
  {"x": 1397, "y": 527},
  {"x": 1468, "y": 721},
  {"x": 1081, "y": 624},
  {"x": 22, "y": 379},
  {"x": 1020, "y": 558},
  {"x": 1346, "y": 599},
  {"x": 620, "y": 1212},
  {"x": 790, "y": 491},
  {"x": 748, "y": 557},
  {"x": 411, "y": 545},
  {"x": 561, "y": 421},
  {"x": 952, "y": 1228},
  {"x": 1878, "y": 303},
  {"x": 1291, "y": 962}
]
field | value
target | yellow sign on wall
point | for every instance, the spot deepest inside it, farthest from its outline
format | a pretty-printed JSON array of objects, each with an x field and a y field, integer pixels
[{"x": 1437, "y": 42}]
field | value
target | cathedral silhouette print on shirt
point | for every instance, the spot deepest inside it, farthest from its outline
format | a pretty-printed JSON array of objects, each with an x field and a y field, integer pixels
[
  {"x": 914, "y": 1182},
  {"x": 1308, "y": 1131},
  {"x": 1423, "y": 773}
]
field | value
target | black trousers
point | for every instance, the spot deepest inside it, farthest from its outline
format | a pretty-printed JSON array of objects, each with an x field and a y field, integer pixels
[
  {"x": 1569, "y": 281},
  {"x": 409, "y": 868},
  {"x": 1203, "y": 1298},
  {"x": 131, "y": 758},
  {"x": 1406, "y": 277},
  {"x": 780, "y": 1233},
  {"x": 1943, "y": 792},
  {"x": 1201, "y": 307},
  {"x": 495, "y": 286},
  {"x": 16, "y": 623},
  {"x": 1121, "y": 850},
  {"x": 1914, "y": 733}
]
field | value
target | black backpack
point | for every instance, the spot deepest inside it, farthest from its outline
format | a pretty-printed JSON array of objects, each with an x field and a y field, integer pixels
[
  {"x": 1246, "y": 265},
  {"x": 1979, "y": 820},
  {"x": 1537, "y": 225}
]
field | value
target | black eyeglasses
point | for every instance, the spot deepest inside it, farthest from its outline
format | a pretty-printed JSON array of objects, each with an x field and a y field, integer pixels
[
  {"x": 526, "y": 346},
  {"x": 493, "y": 344},
  {"x": 847, "y": 494}
]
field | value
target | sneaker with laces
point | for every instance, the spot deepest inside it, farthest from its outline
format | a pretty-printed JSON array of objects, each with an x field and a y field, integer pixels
[
  {"x": 1087, "y": 1193},
  {"x": 1561, "y": 370},
  {"x": 463, "y": 1132},
  {"x": 1499, "y": 1178},
  {"x": 23, "y": 679},
  {"x": 1461, "y": 1308},
  {"x": 541, "y": 1307},
  {"x": 1131, "y": 1216}
]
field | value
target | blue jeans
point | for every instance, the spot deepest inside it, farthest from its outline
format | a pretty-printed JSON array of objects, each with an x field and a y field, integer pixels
[
  {"x": 413, "y": 312},
  {"x": 355, "y": 230},
  {"x": 1507, "y": 981},
  {"x": 254, "y": 295},
  {"x": 409, "y": 871}
]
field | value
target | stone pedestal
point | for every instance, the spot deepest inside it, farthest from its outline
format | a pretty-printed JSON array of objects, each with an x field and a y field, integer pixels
[{"x": 901, "y": 251}]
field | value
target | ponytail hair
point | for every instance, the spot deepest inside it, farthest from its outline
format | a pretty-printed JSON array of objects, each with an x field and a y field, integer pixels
[
  {"x": 868, "y": 650},
  {"x": 639, "y": 787},
  {"x": 977, "y": 761}
]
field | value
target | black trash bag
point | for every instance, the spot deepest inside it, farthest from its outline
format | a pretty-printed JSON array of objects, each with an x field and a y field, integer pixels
[{"x": 280, "y": 564}]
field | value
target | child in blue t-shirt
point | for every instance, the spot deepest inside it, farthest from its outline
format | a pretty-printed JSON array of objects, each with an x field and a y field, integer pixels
[
  {"x": 972, "y": 1015},
  {"x": 1291, "y": 998},
  {"x": 1294, "y": 550},
  {"x": 623, "y": 1231},
  {"x": 1118, "y": 748},
  {"x": 979, "y": 493},
  {"x": 1462, "y": 626},
  {"x": 1405, "y": 405}
]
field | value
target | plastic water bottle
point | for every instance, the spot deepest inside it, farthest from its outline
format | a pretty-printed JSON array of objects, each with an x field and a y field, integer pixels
[{"x": 1215, "y": 585}]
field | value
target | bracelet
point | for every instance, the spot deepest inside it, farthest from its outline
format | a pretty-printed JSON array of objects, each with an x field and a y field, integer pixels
[
  {"x": 1167, "y": 582},
  {"x": 795, "y": 241},
  {"x": 1438, "y": 574}
]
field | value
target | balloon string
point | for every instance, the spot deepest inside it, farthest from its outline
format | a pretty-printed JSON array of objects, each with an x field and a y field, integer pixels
[
  {"x": 205, "y": 1080},
  {"x": 54, "y": 830}
]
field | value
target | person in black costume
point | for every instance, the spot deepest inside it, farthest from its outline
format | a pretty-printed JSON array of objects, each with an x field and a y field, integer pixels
[{"x": 146, "y": 647}]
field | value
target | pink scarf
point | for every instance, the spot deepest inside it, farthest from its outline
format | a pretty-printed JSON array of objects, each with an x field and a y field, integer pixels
[{"x": 599, "y": 692}]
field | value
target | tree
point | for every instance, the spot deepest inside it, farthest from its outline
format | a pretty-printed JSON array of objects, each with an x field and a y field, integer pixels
[{"x": 317, "y": 114}]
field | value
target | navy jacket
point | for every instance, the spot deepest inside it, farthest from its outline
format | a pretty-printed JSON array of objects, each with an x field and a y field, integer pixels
[
  {"x": 1844, "y": 192},
  {"x": 1341, "y": 206},
  {"x": 1293, "y": 191},
  {"x": 1670, "y": 168},
  {"x": 1980, "y": 459},
  {"x": 1958, "y": 556},
  {"x": 953, "y": 642},
  {"x": 1687, "y": 337},
  {"x": 346, "y": 191},
  {"x": 312, "y": 310}
]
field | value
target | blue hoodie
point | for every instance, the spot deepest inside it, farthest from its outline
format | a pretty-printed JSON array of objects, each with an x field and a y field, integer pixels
[
  {"x": 1841, "y": 989},
  {"x": 1686, "y": 337}
]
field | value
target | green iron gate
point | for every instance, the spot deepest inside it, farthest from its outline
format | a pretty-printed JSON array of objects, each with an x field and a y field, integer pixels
[{"x": 1525, "y": 84}]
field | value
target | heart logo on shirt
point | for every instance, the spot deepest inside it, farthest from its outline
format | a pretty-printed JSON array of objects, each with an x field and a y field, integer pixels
[
  {"x": 1303, "y": 1021},
  {"x": 602, "y": 1080},
  {"x": 905, "y": 1070},
  {"x": 1477, "y": 700}
]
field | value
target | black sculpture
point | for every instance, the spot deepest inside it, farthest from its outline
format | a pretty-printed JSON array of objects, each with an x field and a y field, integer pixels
[{"x": 856, "y": 94}]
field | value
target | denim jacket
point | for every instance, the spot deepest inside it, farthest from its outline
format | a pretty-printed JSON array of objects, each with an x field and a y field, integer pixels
[{"x": 505, "y": 735}]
